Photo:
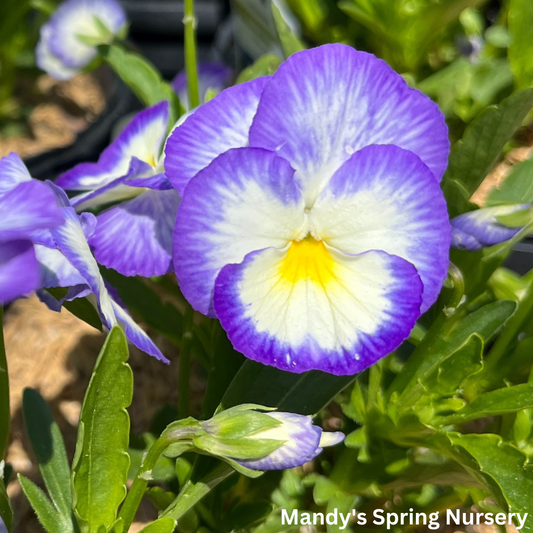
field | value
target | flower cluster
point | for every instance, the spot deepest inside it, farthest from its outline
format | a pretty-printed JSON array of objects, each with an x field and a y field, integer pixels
[
  {"x": 312, "y": 223},
  {"x": 68, "y": 41}
]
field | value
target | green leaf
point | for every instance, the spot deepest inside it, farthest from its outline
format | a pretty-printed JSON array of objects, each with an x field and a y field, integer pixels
[
  {"x": 517, "y": 187},
  {"x": 245, "y": 515},
  {"x": 4, "y": 392},
  {"x": 141, "y": 300},
  {"x": 505, "y": 469},
  {"x": 520, "y": 19},
  {"x": 264, "y": 66},
  {"x": 304, "y": 393},
  {"x": 142, "y": 78},
  {"x": 51, "y": 520},
  {"x": 484, "y": 322},
  {"x": 101, "y": 462},
  {"x": 49, "y": 449},
  {"x": 291, "y": 44},
  {"x": 163, "y": 525},
  {"x": 498, "y": 402},
  {"x": 6, "y": 511},
  {"x": 518, "y": 219},
  {"x": 475, "y": 154}
]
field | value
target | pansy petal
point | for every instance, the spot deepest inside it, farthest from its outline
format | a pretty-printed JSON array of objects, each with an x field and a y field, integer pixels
[
  {"x": 301, "y": 443},
  {"x": 214, "y": 128},
  {"x": 56, "y": 269},
  {"x": 477, "y": 229},
  {"x": 77, "y": 17},
  {"x": 135, "y": 237},
  {"x": 135, "y": 333},
  {"x": 324, "y": 104},
  {"x": 245, "y": 200},
  {"x": 12, "y": 172},
  {"x": 385, "y": 198},
  {"x": 49, "y": 62},
  {"x": 71, "y": 241},
  {"x": 310, "y": 307},
  {"x": 142, "y": 138},
  {"x": 19, "y": 270},
  {"x": 30, "y": 206}
]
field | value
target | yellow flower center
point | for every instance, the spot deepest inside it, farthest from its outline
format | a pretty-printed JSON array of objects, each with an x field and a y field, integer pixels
[{"x": 308, "y": 259}]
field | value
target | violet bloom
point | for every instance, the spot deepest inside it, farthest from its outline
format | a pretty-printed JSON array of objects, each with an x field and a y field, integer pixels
[
  {"x": 135, "y": 236},
  {"x": 27, "y": 206},
  {"x": 213, "y": 76},
  {"x": 312, "y": 223},
  {"x": 61, "y": 254},
  {"x": 68, "y": 40},
  {"x": 478, "y": 229}
]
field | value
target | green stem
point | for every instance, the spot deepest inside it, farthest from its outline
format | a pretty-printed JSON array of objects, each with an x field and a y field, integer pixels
[
  {"x": 192, "y": 492},
  {"x": 185, "y": 364},
  {"x": 4, "y": 392},
  {"x": 190, "y": 55},
  {"x": 136, "y": 492}
]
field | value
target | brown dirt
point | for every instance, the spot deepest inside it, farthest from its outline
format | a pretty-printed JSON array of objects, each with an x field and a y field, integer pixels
[
  {"x": 62, "y": 110},
  {"x": 55, "y": 353}
]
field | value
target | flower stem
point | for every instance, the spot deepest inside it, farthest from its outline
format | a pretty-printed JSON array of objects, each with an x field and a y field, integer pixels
[
  {"x": 136, "y": 492},
  {"x": 185, "y": 364},
  {"x": 4, "y": 392},
  {"x": 190, "y": 54}
]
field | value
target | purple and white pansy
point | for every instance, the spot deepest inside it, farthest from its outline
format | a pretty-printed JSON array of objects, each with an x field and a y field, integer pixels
[
  {"x": 133, "y": 237},
  {"x": 480, "y": 228},
  {"x": 27, "y": 207},
  {"x": 68, "y": 40},
  {"x": 312, "y": 223},
  {"x": 61, "y": 256}
]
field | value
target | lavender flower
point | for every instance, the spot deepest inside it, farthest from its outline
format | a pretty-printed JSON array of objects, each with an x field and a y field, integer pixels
[{"x": 312, "y": 223}]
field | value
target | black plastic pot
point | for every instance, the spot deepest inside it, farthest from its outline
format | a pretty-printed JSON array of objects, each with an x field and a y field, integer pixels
[
  {"x": 521, "y": 259},
  {"x": 89, "y": 143}
]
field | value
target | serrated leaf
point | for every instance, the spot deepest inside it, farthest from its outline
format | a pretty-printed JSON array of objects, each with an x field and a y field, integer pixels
[
  {"x": 142, "y": 78},
  {"x": 475, "y": 154},
  {"x": 497, "y": 402},
  {"x": 162, "y": 525},
  {"x": 49, "y": 448},
  {"x": 291, "y": 44},
  {"x": 517, "y": 188},
  {"x": 520, "y": 19},
  {"x": 505, "y": 467},
  {"x": 484, "y": 322},
  {"x": 49, "y": 517},
  {"x": 4, "y": 392},
  {"x": 101, "y": 465}
]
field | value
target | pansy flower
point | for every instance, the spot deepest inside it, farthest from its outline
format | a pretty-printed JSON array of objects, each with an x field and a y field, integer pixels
[
  {"x": 61, "y": 254},
  {"x": 133, "y": 237},
  {"x": 68, "y": 40},
  {"x": 481, "y": 228},
  {"x": 213, "y": 76},
  {"x": 27, "y": 206},
  {"x": 312, "y": 223}
]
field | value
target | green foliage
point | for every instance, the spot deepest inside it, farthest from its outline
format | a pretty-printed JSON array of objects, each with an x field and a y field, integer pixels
[
  {"x": 403, "y": 32},
  {"x": 6, "y": 511},
  {"x": 291, "y": 44},
  {"x": 4, "y": 392},
  {"x": 517, "y": 187},
  {"x": 264, "y": 66},
  {"x": 144, "y": 80},
  {"x": 80, "y": 307},
  {"x": 163, "y": 525},
  {"x": 476, "y": 153},
  {"x": 521, "y": 48},
  {"x": 101, "y": 463},
  {"x": 49, "y": 449}
]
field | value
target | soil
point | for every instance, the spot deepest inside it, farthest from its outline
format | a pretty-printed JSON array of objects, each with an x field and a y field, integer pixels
[{"x": 62, "y": 110}]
